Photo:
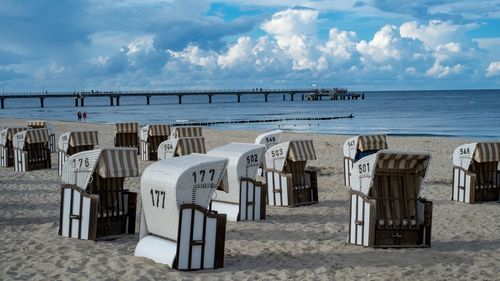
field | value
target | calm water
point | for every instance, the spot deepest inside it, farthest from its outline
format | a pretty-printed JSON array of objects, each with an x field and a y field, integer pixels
[{"x": 471, "y": 114}]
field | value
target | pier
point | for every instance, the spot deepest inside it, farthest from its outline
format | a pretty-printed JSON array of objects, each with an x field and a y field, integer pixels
[{"x": 115, "y": 96}]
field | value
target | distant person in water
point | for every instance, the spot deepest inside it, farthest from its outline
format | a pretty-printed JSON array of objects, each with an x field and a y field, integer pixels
[
  {"x": 79, "y": 114},
  {"x": 84, "y": 116}
]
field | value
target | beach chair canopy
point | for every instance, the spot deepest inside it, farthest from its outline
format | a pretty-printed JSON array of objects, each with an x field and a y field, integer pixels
[
  {"x": 366, "y": 168},
  {"x": 29, "y": 137},
  {"x": 7, "y": 134},
  {"x": 269, "y": 139},
  {"x": 79, "y": 138},
  {"x": 296, "y": 150},
  {"x": 106, "y": 162},
  {"x": 478, "y": 151},
  {"x": 181, "y": 146},
  {"x": 127, "y": 128},
  {"x": 186, "y": 132},
  {"x": 244, "y": 160},
  {"x": 154, "y": 130},
  {"x": 363, "y": 143},
  {"x": 169, "y": 183}
]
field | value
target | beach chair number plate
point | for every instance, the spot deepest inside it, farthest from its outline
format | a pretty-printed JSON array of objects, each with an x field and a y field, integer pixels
[
  {"x": 276, "y": 153},
  {"x": 158, "y": 193},
  {"x": 351, "y": 143},
  {"x": 270, "y": 139},
  {"x": 465, "y": 151},
  {"x": 83, "y": 162},
  {"x": 202, "y": 173},
  {"x": 364, "y": 168},
  {"x": 252, "y": 158}
]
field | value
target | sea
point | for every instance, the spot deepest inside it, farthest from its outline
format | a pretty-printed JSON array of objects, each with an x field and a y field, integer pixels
[{"x": 473, "y": 114}]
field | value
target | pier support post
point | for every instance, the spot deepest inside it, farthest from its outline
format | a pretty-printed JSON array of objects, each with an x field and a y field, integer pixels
[
  {"x": 180, "y": 98},
  {"x": 363, "y": 96},
  {"x": 147, "y": 100},
  {"x": 239, "y": 98},
  {"x": 41, "y": 102},
  {"x": 284, "y": 97},
  {"x": 265, "y": 95},
  {"x": 82, "y": 101},
  {"x": 111, "y": 101},
  {"x": 117, "y": 101},
  {"x": 2, "y": 103},
  {"x": 302, "y": 96},
  {"x": 76, "y": 102},
  {"x": 291, "y": 97},
  {"x": 320, "y": 97},
  {"x": 209, "y": 98}
]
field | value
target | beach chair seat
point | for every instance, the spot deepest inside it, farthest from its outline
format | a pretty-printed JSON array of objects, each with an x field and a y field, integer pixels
[
  {"x": 245, "y": 198},
  {"x": 476, "y": 172},
  {"x": 268, "y": 139},
  {"x": 94, "y": 203},
  {"x": 180, "y": 147},
  {"x": 127, "y": 135},
  {"x": 151, "y": 137},
  {"x": 357, "y": 148},
  {"x": 70, "y": 143},
  {"x": 186, "y": 132},
  {"x": 6, "y": 145},
  {"x": 41, "y": 124},
  {"x": 31, "y": 150},
  {"x": 385, "y": 204},
  {"x": 289, "y": 182},
  {"x": 177, "y": 229}
]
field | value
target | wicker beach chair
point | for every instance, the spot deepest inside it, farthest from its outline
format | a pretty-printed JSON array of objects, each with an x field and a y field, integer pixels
[
  {"x": 356, "y": 148},
  {"x": 6, "y": 147},
  {"x": 180, "y": 147},
  {"x": 73, "y": 142},
  {"x": 386, "y": 207},
  {"x": 289, "y": 182},
  {"x": 127, "y": 135},
  {"x": 31, "y": 150},
  {"x": 268, "y": 139},
  {"x": 41, "y": 124},
  {"x": 93, "y": 201},
  {"x": 246, "y": 197},
  {"x": 476, "y": 172},
  {"x": 186, "y": 132},
  {"x": 150, "y": 138},
  {"x": 177, "y": 229}
]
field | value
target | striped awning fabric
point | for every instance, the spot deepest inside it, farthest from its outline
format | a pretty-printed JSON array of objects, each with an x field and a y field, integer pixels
[
  {"x": 487, "y": 152},
  {"x": 127, "y": 127},
  {"x": 118, "y": 163},
  {"x": 187, "y": 146},
  {"x": 394, "y": 160},
  {"x": 372, "y": 142},
  {"x": 83, "y": 138},
  {"x": 186, "y": 132},
  {"x": 301, "y": 150},
  {"x": 37, "y": 124},
  {"x": 37, "y": 136},
  {"x": 159, "y": 130},
  {"x": 8, "y": 133}
]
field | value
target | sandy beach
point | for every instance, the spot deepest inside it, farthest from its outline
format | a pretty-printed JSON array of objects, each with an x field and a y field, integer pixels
[{"x": 292, "y": 243}]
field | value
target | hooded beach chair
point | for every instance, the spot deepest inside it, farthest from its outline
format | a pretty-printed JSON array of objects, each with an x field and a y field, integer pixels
[
  {"x": 177, "y": 229},
  {"x": 6, "y": 147},
  {"x": 289, "y": 182},
  {"x": 180, "y": 147},
  {"x": 186, "y": 132},
  {"x": 476, "y": 172},
  {"x": 268, "y": 139},
  {"x": 93, "y": 201},
  {"x": 31, "y": 150},
  {"x": 356, "y": 148},
  {"x": 385, "y": 204},
  {"x": 127, "y": 135},
  {"x": 246, "y": 197},
  {"x": 73, "y": 142},
  {"x": 41, "y": 124},
  {"x": 150, "y": 138}
]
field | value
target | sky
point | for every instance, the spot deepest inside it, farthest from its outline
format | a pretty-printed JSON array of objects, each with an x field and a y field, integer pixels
[{"x": 221, "y": 44}]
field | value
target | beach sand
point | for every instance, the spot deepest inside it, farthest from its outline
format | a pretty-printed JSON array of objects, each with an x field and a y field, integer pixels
[{"x": 292, "y": 243}]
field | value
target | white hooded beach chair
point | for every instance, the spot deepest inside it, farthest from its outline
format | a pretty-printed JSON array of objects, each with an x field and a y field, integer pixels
[
  {"x": 127, "y": 135},
  {"x": 268, "y": 139},
  {"x": 385, "y": 205},
  {"x": 180, "y": 147},
  {"x": 41, "y": 124},
  {"x": 246, "y": 197},
  {"x": 73, "y": 142},
  {"x": 356, "y": 148},
  {"x": 186, "y": 132},
  {"x": 93, "y": 200},
  {"x": 177, "y": 229},
  {"x": 289, "y": 182},
  {"x": 6, "y": 147},
  {"x": 150, "y": 138},
  {"x": 31, "y": 150},
  {"x": 476, "y": 172}
]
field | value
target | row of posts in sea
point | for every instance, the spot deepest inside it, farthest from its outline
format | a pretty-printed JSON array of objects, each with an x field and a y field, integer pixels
[{"x": 313, "y": 94}]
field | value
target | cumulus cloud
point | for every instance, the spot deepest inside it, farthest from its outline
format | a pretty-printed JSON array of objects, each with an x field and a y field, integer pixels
[{"x": 493, "y": 69}]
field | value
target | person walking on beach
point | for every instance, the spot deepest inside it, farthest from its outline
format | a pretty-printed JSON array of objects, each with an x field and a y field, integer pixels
[
  {"x": 84, "y": 116},
  {"x": 79, "y": 114}
]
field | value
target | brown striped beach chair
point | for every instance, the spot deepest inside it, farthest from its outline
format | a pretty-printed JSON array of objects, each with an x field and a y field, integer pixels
[
  {"x": 177, "y": 228},
  {"x": 6, "y": 146},
  {"x": 94, "y": 203},
  {"x": 41, "y": 124},
  {"x": 289, "y": 182},
  {"x": 356, "y": 148},
  {"x": 386, "y": 209},
  {"x": 180, "y": 147},
  {"x": 186, "y": 132},
  {"x": 73, "y": 142},
  {"x": 476, "y": 172},
  {"x": 127, "y": 135},
  {"x": 150, "y": 138},
  {"x": 31, "y": 150}
]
